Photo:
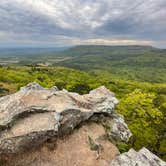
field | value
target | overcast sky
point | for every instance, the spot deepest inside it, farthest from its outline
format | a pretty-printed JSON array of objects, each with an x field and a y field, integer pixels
[{"x": 74, "y": 22}]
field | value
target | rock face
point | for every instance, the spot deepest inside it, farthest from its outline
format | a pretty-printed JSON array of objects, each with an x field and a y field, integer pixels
[
  {"x": 141, "y": 158},
  {"x": 35, "y": 115},
  {"x": 86, "y": 146}
]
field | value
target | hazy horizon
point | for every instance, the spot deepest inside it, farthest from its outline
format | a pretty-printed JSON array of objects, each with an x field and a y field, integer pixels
[{"x": 68, "y": 46}]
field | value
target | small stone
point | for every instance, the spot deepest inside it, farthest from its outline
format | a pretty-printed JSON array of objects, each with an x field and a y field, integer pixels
[{"x": 141, "y": 158}]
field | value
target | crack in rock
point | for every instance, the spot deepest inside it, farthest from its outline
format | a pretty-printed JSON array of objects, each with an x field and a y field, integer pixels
[{"x": 35, "y": 114}]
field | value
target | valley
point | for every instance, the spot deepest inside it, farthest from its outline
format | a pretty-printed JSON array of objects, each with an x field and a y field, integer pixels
[{"x": 136, "y": 74}]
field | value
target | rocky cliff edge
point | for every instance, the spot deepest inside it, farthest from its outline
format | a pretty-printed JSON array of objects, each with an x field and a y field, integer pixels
[{"x": 35, "y": 119}]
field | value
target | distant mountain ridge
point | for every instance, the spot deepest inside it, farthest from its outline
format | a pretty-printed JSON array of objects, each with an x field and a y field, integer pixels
[
  {"x": 145, "y": 63},
  {"x": 132, "y": 62},
  {"x": 100, "y": 49},
  {"x": 23, "y": 52}
]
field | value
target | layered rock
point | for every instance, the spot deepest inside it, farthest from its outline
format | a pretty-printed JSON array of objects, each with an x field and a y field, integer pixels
[
  {"x": 141, "y": 158},
  {"x": 35, "y": 114}
]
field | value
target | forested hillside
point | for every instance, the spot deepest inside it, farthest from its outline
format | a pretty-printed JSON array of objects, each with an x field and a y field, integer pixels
[{"x": 143, "y": 63}]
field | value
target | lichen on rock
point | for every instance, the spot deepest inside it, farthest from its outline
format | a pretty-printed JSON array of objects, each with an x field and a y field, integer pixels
[{"x": 35, "y": 114}]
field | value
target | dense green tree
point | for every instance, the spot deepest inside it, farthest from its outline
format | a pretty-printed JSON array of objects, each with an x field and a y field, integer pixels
[{"x": 144, "y": 118}]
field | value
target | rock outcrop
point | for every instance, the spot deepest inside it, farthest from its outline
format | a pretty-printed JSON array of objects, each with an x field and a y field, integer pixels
[
  {"x": 35, "y": 114},
  {"x": 141, "y": 158},
  {"x": 46, "y": 127},
  {"x": 86, "y": 146}
]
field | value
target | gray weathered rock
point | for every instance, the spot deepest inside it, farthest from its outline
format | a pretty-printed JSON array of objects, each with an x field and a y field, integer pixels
[
  {"x": 141, "y": 158},
  {"x": 35, "y": 114}
]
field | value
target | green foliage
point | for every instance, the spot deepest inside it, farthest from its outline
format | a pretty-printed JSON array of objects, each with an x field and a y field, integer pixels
[
  {"x": 123, "y": 147},
  {"x": 145, "y": 119},
  {"x": 141, "y": 63},
  {"x": 142, "y": 103},
  {"x": 80, "y": 88}
]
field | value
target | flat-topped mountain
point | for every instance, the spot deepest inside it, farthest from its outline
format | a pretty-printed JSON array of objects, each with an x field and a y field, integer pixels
[{"x": 143, "y": 63}]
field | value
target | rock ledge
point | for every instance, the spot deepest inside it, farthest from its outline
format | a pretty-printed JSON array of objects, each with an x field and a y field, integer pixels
[{"x": 35, "y": 114}]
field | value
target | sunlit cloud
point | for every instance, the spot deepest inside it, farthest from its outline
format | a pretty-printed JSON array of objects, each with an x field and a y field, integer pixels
[{"x": 117, "y": 42}]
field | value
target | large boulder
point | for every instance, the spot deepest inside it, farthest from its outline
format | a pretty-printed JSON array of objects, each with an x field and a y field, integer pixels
[
  {"x": 141, "y": 158},
  {"x": 35, "y": 114}
]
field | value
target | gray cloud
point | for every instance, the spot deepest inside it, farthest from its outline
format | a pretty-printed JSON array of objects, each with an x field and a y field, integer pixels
[{"x": 68, "y": 22}]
